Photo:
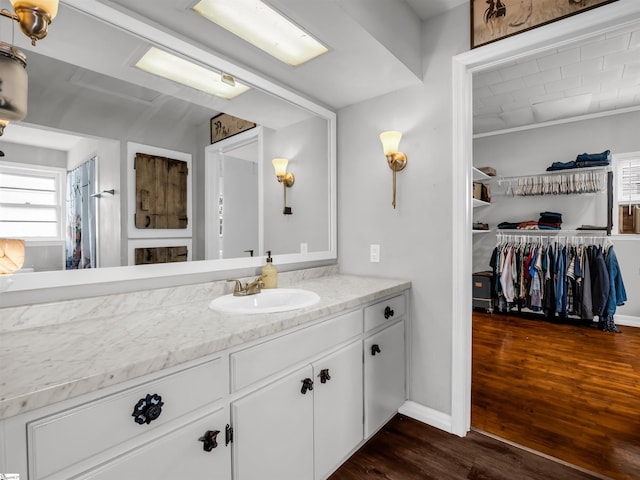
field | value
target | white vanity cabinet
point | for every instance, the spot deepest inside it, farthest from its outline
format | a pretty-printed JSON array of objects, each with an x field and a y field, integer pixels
[
  {"x": 384, "y": 362},
  {"x": 302, "y": 425},
  {"x": 132, "y": 430},
  {"x": 289, "y": 406}
]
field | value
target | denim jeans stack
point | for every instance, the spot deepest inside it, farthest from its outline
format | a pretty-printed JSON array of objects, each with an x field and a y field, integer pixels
[{"x": 584, "y": 160}]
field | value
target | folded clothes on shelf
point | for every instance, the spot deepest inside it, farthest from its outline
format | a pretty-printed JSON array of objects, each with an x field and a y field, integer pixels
[{"x": 584, "y": 160}]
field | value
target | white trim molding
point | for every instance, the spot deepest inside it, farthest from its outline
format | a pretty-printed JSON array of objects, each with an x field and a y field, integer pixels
[
  {"x": 627, "y": 320},
  {"x": 426, "y": 415}
]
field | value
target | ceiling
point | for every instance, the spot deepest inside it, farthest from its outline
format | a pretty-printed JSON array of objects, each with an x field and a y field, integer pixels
[
  {"x": 374, "y": 48},
  {"x": 601, "y": 75}
]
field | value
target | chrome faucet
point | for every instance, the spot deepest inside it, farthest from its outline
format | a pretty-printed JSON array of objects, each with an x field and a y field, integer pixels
[{"x": 249, "y": 289}]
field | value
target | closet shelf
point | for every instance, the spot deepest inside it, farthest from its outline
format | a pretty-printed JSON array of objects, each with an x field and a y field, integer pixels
[
  {"x": 480, "y": 176},
  {"x": 480, "y": 203},
  {"x": 481, "y": 231}
]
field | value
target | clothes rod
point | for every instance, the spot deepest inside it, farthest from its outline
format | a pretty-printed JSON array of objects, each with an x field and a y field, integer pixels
[{"x": 566, "y": 171}]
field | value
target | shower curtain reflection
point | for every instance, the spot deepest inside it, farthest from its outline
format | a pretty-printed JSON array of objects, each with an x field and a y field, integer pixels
[{"x": 80, "y": 241}]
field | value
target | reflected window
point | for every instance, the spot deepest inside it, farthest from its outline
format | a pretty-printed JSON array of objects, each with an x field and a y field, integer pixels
[{"x": 31, "y": 202}]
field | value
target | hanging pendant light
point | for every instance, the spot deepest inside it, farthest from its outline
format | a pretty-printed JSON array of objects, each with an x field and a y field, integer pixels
[{"x": 13, "y": 85}]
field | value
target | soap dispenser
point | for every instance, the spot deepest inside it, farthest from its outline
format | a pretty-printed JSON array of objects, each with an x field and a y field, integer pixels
[{"x": 270, "y": 273}]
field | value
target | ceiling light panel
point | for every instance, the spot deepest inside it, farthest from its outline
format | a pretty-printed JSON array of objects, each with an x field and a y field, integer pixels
[
  {"x": 177, "y": 69},
  {"x": 263, "y": 27}
]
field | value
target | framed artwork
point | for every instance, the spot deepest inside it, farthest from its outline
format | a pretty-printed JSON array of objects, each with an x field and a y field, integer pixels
[
  {"x": 493, "y": 20},
  {"x": 225, "y": 126}
]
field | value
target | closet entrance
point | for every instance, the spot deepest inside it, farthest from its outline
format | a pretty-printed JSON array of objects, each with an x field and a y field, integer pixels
[{"x": 529, "y": 351}]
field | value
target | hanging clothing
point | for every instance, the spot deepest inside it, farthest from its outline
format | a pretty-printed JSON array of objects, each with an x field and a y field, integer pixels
[{"x": 558, "y": 279}]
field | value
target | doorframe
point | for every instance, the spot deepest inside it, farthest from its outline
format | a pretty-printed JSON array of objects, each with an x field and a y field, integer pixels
[{"x": 589, "y": 24}]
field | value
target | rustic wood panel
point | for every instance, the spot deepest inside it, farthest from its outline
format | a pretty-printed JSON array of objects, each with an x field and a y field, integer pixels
[
  {"x": 147, "y": 256},
  {"x": 566, "y": 390},
  {"x": 406, "y": 449},
  {"x": 161, "y": 192}
]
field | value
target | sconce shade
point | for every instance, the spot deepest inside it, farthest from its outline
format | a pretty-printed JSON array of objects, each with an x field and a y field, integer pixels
[
  {"x": 48, "y": 6},
  {"x": 280, "y": 166},
  {"x": 13, "y": 83},
  {"x": 35, "y": 16},
  {"x": 390, "y": 141}
]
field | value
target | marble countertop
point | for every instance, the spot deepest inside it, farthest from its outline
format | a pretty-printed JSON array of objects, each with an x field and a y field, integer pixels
[{"x": 45, "y": 359}]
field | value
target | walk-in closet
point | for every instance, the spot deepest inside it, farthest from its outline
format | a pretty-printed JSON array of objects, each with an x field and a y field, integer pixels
[{"x": 539, "y": 213}]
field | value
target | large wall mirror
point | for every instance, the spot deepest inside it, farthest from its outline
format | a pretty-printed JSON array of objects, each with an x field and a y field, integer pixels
[{"x": 87, "y": 100}]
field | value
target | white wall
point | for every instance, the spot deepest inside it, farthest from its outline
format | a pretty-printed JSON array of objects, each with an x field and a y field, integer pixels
[
  {"x": 415, "y": 238},
  {"x": 531, "y": 152}
]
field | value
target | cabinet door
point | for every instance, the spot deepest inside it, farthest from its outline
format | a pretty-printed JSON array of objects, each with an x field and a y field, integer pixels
[
  {"x": 177, "y": 454},
  {"x": 273, "y": 431},
  {"x": 337, "y": 407},
  {"x": 384, "y": 376}
]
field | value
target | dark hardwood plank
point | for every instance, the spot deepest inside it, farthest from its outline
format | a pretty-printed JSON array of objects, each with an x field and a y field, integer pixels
[
  {"x": 406, "y": 449},
  {"x": 569, "y": 391}
]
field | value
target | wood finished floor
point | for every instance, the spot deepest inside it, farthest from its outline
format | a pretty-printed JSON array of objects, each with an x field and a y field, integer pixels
[
  {"x": 406, "y": 449},
  {"x": 566, "y": 390}
]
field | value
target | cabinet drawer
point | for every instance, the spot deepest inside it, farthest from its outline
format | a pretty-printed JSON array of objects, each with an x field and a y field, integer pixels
[
  {"x": 60, "y": 441},
  {"x": 177, "y": 454},
  {"x": 383, "y": 312},
  {"x": 255, "y": 363}
]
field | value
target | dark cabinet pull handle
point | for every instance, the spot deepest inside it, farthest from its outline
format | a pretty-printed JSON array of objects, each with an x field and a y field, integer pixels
[
  {"x": 147, "y": 409},
  {"x": 375, "y": 348},
  {"x": 209, "y": 440},
  {"x": 307, "y": 384},
  {"x": 388, "y": 312},
  {"x": 324, "y": 375}
]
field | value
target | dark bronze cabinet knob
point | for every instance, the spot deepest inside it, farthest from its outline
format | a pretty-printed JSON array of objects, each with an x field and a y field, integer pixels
[
  {"x": 324, "y": 375},
  {"x": 307, "y": 384},
  {"x": 375, "y": 348},
  {"x": 388, "y": 312},
  {"x": 147, "y": 409},
  {"x": 209, "y": 440}
]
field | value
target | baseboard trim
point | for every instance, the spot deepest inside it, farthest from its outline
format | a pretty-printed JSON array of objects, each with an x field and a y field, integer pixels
[
  {"x": 426, "y": 415},
  {"x": 627, "y": 320}
]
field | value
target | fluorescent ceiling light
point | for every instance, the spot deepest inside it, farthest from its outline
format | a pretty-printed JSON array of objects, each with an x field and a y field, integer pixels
[
  {"x": 177, "y": 69},
  {"x": 263, "y": 27}
]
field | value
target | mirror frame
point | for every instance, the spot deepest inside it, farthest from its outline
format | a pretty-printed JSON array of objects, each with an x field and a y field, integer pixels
[{"x": 134, "y": 26}]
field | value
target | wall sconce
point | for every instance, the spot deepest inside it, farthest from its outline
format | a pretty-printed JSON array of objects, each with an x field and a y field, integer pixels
[
  {"x": 34, "y": 16},
  {"x": 284, "y": 177},
  {"x": 395, "y": 159}
]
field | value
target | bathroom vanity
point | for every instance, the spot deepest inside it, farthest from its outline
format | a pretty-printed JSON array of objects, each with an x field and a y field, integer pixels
[{"x": 154, "y": 384}]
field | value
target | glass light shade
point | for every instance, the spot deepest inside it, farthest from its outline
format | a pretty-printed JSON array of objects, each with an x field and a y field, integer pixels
[
  {"x": 262, "y": 26},
  {"x": 49, "y": 6},
  {"x": 390, "y": 141},
  {"x": 177, "y": 69},
  {"x": 280, "y": 166},
  {"x": 13, "y": 84}
]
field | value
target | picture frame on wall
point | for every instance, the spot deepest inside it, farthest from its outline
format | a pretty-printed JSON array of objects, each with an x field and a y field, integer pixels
[
  {"x": 493, "y": 20},
  {"x": 224, "y": 126}
]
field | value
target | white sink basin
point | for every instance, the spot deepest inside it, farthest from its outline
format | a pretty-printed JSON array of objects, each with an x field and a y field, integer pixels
[{"x": 267, "y": 301}]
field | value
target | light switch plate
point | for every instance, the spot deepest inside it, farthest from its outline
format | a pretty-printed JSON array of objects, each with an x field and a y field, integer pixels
[{"x": 374, "y": 253}]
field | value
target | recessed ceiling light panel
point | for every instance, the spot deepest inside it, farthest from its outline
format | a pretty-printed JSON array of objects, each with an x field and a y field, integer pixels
[
  {"x": 263, "y": 27},
  {"x": 177, "y": 69}
]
